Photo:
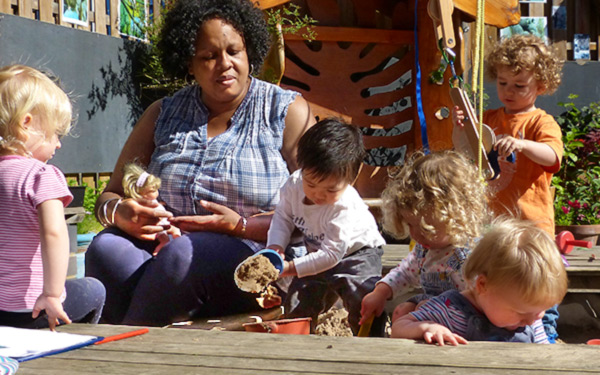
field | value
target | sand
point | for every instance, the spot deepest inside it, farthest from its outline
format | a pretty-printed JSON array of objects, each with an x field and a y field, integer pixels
[
  {"x": 333, "y": 323},
  {"x": 255, "y": 274}
]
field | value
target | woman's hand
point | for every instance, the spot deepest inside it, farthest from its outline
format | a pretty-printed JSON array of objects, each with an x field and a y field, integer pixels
[
  {"x": 223, "y": 220},
  {"x": 140, "y": 218}
]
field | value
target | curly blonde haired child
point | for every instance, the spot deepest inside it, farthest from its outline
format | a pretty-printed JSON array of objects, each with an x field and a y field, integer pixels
[
  {"x": 527, "y": 53},
  {"x": 139, "y": 184},
  {"x": 514, "y": 274},
  {"x": 523, "y": 67},
  {"x": 441, "y": 203},
  {"x": 34, "y": 242}
]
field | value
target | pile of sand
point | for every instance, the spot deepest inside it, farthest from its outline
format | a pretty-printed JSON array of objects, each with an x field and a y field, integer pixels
[
  {"x": 255, "y": 274},
  {"x": 333, "y": 323}
]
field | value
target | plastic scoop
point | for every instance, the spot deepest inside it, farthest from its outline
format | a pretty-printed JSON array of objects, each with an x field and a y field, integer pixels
[
  {"x": 274, "y": 257},
  {"x": 257, "y": 282}
]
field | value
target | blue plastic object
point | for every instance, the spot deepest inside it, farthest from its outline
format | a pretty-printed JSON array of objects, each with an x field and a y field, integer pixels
[{"x": 274, "y": 257}]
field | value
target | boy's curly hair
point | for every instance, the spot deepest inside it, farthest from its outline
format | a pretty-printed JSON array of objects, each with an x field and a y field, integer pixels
[
  {"x": 529, "y": 53},
  {"x": 177, "y": 38},
  {"x": 444, "y": 185}
]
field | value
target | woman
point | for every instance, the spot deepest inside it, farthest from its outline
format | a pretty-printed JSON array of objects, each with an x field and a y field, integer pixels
[{"x": 222, "y": 148}]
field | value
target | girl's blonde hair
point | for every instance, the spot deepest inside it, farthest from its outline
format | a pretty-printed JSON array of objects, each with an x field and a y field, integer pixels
[
  {"x": 136, "y": 181},
  {"x": 26, "y": 90},
  {"x": 444, "y": 185},
  {"x": 528, "y": 53},
  {"x": 516, "y": 254}
]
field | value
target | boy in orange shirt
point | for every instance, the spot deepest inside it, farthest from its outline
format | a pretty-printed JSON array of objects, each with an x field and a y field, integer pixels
[{"x": 524, "y": 67}]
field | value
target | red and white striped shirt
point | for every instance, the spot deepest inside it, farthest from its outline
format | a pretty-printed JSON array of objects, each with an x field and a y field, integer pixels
[{"x": 24, "y": 184}]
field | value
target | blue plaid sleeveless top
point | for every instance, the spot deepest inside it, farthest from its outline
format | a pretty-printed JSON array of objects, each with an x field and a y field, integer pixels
[{"x": 241, "y": 168}]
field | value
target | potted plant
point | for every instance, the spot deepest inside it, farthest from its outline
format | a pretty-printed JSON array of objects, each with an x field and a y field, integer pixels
[{"x": 577, "y": 183}]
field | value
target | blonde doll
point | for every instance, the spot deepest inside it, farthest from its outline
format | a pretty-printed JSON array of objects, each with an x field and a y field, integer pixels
[
  {"x": 139, "y": 184},
  {"x": 440, "y": 202},
  {"x": 34, "y": 241}
]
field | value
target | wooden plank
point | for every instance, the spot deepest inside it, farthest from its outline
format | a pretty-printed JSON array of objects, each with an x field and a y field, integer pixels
[
  {"x": 46, "y": 8},
  {"x": 113, "y": 20},
  {"x": 350, "y": 34},
  {"x": 100, "y": 16},
  {"x": 499, "y": 13},
  {"x": 25, "y": 8},
  {"x": 5, "y": 7},
  {"x": 198, "y": 351}
]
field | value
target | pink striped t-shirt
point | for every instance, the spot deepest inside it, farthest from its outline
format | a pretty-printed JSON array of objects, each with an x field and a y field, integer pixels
[{"x": 24, "y": 184}]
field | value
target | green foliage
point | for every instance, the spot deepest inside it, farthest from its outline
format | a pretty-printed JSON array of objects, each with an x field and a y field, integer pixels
[
  {"x": 89, "y": 223},
  {"x": 577, "y": 183},
  {"x": 291, "y": 21},
  {"x": 154, "y": 79}
]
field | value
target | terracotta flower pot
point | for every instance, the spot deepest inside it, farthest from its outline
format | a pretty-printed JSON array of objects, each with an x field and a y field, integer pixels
[{"x": 582, "y": 232}]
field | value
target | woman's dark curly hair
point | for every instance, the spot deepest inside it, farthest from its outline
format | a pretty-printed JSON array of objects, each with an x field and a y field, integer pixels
[{"x": 177, "y": 38}]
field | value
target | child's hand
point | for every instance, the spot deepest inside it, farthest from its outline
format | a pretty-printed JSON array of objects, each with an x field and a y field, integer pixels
[
  {"x": 457, "y": 116},
  {"x": 374, "y": 302},
  {"x": 277, "y": 248},
  {"x": 53, "y": 308},
  {"x": 437, "y": 333},
  {"x": 506, "y": 145}
]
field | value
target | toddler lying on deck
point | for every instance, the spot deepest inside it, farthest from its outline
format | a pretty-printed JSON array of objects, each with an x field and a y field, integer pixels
[{"x": 514, "y": 275}]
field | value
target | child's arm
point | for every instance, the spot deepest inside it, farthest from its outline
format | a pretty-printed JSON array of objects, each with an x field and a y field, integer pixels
[
  {"x": 537, "y": 152},
  {"x": 55, "y": 259},
  {"x": 374, "y": 302},
  {"x": 408, "y": 327}
]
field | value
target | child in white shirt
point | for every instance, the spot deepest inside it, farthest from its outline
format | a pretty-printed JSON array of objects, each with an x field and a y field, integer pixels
[{"x": 340, "y": 234}]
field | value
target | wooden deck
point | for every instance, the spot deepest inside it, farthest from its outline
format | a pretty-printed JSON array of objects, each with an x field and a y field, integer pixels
[{"x": 175, "y": 351}]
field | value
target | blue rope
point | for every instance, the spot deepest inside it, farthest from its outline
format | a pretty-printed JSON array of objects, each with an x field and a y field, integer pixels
[{"x": 419, "y": 100}]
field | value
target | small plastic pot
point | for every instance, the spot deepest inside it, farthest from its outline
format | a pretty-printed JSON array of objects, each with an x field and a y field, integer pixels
[{"x": 298, "y": 326}]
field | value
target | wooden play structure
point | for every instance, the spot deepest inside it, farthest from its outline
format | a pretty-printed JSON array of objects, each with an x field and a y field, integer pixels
[{"x": 370, "y": 64}]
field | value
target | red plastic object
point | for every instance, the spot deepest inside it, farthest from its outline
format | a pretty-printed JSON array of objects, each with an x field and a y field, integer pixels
[
  {"x": 298, "y": 326},
  {"x": 565, "y": 242},
  {"x": 593, "y": 342}
]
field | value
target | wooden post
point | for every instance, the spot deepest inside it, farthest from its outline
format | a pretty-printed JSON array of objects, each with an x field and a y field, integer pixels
[
  {"x": 45, "y": 8},
  {"x": 25, "y": 8},
  {"x": 100, "y": 16},
  {"x": 439, "y": 131}
]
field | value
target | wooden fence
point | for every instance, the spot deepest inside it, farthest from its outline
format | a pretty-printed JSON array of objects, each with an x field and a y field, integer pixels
[{"x": 565, "y": 19}]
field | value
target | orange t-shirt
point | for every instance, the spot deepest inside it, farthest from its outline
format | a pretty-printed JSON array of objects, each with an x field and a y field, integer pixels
[{"x": 523, "y": 188}]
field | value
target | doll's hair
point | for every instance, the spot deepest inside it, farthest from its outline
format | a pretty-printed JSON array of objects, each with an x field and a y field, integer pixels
[
  {"x": 527, "y": 53},
  {"x": 136, "y": 180},
  {"x": 179, "y": 31},
  {"x": 444, "y": 185},
  {"x": 26, "y": 90},
  {"x": 331, "y": 148},
  {"x": 516, "y": 254}
]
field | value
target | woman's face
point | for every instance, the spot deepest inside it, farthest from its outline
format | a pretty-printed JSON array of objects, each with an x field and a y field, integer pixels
[{"x": 220, "y": 65}]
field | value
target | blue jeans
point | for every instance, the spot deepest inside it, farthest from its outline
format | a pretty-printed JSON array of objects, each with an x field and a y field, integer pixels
[
  {"x": 84, "y": 302},
  {"x": 351, "y": 279},
  {"x": 192, "y": 276}
]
